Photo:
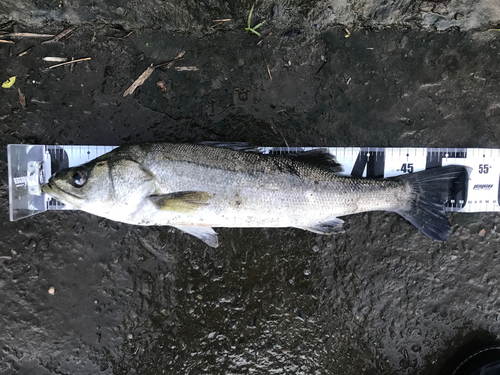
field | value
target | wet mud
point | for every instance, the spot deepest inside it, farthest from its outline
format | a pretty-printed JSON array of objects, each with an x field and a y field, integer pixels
[{"x": 379, "y": 299}]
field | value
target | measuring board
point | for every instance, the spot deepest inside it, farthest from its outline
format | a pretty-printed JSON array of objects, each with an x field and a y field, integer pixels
[{"x": 32, "y": 165}]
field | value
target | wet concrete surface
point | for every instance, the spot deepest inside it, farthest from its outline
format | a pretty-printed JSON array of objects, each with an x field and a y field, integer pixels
[{"x": 379, "y": 299}]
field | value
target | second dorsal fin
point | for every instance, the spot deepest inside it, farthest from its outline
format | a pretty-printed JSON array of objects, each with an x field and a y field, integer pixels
[{"x": 319, "y": 157}]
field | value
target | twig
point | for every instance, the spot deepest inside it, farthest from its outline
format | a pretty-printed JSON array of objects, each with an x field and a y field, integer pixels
[
  {"x": 139, "y": 81},
  {"x": 171, "y": 62},
  {"x": 61, "y": 35},
  {"x": 222, "y": 110},
  {"x": 28, "y": 35},
  {"x": 126, "y": 36},
  {"x": 26, "y": 51},
  {"x": 5, "y": 257},
  {"x": 69, "y": 62},
  {"x": 269, "y": 72},
  {"x": 282, "y": 136},
  {"x": 72, "y": 65},
  {"x": 6, "y": 41},
  {"x": 220, "y": 22},
  {"x": 147, "y": 73}
]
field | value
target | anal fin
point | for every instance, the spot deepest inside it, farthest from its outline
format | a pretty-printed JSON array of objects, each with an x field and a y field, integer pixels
[
  {"x": 206, "y": 234},
  {"x": 332, "y": 226}
]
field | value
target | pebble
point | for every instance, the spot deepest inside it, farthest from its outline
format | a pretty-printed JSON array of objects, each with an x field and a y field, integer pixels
[{"x": 464, "y": 234}]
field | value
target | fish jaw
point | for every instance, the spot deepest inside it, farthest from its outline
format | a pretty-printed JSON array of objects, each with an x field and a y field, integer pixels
[{"x": 62, "y": 196}]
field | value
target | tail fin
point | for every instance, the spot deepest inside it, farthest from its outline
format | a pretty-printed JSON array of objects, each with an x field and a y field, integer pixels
[{"x": 431, "y": 189}]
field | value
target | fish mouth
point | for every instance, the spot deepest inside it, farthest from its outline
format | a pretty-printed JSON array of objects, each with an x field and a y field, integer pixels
[
  {"x": 47, "y": 189},
  {"x": 58, "y": 193}
]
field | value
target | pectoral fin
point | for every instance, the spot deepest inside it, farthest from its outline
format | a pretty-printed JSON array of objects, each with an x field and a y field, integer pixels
[
  {"x": 183, "y": 201},
  {"x": 206, "y": 234},
  {"x": 332, "y": 226}
]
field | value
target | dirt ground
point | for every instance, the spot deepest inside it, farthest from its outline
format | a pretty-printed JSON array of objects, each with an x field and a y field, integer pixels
[{"x": 379, "y": 299}]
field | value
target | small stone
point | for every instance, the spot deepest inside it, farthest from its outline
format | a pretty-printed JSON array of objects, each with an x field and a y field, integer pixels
[
  {"x": 426, "y": 6},
  {"x": 441, "y": 9},
  {"x": 52, "y": 291},
  {"x": 464, "y": 234},
  {"x": 482, "y": 232},
  {"x": 241, "y": 62}
]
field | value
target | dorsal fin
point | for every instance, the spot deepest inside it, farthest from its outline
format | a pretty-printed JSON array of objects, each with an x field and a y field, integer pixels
[
  {"x": 236, "y": 146},
  {"x": 319, "y": 157}
]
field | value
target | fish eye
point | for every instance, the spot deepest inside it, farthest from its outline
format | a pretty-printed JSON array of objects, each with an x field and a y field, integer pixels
[{"x": 78, "y": 177}]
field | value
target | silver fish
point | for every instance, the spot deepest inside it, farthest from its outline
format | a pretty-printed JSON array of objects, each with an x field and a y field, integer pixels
[{"x": 196, "y": 187}]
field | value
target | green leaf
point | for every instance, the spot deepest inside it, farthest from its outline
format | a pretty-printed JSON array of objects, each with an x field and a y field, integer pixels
[{"x": 9, "y": 83}]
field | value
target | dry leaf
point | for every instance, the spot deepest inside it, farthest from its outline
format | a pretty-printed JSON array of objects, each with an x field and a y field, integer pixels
[
  {"x": 55, "y": 59},
  {"x": 186, "y": 69},
  {"x": 161, "y": 86},
  {"x": 22, "y": 98}
]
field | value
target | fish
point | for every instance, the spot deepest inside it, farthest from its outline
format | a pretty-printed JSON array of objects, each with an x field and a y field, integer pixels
[{"x": 196, "y": 187}]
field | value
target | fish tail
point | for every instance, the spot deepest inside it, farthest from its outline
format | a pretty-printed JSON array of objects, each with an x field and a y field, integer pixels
[{"x": 430, "y": 190}]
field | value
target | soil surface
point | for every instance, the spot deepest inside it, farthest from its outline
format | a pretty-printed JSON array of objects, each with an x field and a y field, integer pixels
[{"x": 380, "y": 299}]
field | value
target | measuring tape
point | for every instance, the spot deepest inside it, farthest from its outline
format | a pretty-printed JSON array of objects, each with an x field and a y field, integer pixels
[{"x": 32, "y": 165}]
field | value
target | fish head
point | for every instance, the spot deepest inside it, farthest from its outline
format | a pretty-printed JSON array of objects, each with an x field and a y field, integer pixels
[{"x": 82, "y": 187}]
